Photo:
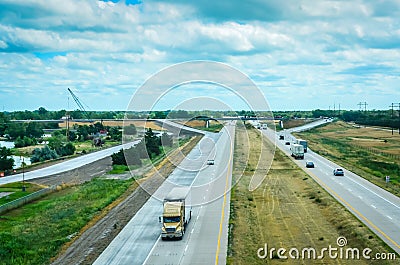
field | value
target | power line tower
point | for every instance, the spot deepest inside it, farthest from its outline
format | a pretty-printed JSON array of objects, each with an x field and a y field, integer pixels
[
  {"x": 362, "y": 104},
  {"x": 392, "y": 106}
]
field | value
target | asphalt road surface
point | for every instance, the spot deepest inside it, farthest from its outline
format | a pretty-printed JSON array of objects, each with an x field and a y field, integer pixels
[
  {"x": 374, "y": 206},
  {"x": 205, "y": 241},
  {"x": 66, "y": 165}
]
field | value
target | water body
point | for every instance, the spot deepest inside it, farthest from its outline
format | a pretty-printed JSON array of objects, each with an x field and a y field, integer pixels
[
  {"x": 17, "y": 159},
  {"x": 7, "y": 144}
]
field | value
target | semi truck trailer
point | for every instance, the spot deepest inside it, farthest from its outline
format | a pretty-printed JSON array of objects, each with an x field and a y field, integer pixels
[
  {"x": 177, "y": 213},
  {"x": 303, "y": 143},
  {"x": 297, "y": 151}
]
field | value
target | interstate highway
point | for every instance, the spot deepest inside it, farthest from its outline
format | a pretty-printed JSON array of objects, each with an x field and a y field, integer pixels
[
  {"x": 374, "y": 206},
  {"x": 206, "y": 237}
]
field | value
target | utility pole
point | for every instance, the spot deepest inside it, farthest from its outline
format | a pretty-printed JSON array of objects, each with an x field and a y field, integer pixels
[
  {"x": 392, "y": 106},
  {"x": 362, "y": 104}
]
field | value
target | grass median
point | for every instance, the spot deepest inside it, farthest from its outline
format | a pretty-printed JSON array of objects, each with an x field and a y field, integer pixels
[{"x": 288, "y": 210}]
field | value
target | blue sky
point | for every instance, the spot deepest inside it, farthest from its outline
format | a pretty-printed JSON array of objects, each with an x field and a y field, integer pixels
[{"x": 302, "y": 54}]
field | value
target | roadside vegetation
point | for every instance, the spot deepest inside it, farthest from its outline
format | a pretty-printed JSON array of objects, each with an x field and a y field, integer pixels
[
  {"x": 33, "y": 233},
  {"x": 369, "y": 152},
  {"x": 289, "y": 210},
  {"x": 15, "y": 190},
  {"x": 36, "y": 232},
  {"x": 214, "y": 126}
]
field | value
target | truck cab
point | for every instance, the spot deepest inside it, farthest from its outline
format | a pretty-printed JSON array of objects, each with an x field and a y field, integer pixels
[{"x": 177, "y": 213}]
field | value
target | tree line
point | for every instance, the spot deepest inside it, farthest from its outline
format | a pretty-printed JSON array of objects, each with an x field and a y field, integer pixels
[{"x": 149, "y": 147}]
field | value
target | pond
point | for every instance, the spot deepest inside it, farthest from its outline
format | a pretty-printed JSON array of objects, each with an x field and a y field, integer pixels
[{"x": 17, "y": 159}]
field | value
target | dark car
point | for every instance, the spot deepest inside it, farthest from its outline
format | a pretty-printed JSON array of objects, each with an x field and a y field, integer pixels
[
  {"x": 287, "y": 143},
  {"x": 310, "y": 164},
  {"x": 281, "y": 137},
  {"x": 210, "y": 162},
  {"x": 338, "y": 172}
]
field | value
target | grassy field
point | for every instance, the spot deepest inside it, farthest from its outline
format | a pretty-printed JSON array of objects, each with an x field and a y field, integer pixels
[
  {"x": 369, "y": 152},
  {"x": 32, "y": 233},
  {"x": 289, "y": 210},
  {"x": 214, "y": 126},
  {"x": 16, "y": 189}
]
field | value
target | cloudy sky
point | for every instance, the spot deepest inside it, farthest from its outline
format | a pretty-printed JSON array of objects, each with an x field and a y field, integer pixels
[{"x": 302, "y": 54}]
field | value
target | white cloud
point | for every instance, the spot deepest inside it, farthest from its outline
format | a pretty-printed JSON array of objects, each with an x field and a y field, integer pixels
[{"x": 105, "y": 48}]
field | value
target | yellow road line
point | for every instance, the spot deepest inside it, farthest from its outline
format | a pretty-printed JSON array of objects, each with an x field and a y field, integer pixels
[
  {"x": 223, "y": 205},
  {"x": 352, "y": 208}
]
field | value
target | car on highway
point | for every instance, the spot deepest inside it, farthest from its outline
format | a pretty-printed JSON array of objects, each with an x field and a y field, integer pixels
[
  {"x": 210, "y": 162},
  {"x": 287, "y": 143},
  {"x": 281, "y": 137},
  {"x": 338, "y": 172},
  {"x": 310, "y": 164}
]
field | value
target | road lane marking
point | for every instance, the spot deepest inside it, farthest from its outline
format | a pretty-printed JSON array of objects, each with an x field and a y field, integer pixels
[
  {"x": 355, "y": 211},
  {"x": 373, "y": 206},
  {"x": 224, "y": 203},
  {"x": 152, "y": 249},
  {"x": 389, "y": 217},
  {"x": 398, "y": 207}
]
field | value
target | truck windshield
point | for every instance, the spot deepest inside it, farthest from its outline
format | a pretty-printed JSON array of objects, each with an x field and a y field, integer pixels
[{"x": 172, "y": 219}]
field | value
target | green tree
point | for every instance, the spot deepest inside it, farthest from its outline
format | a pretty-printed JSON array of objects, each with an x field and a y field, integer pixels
[
  {"x": 34, "y": 129},
  {"x": 6, "y": 162},
  {"x": 43, "y": 154},
  {"x": 130, "y": 129},
  {"x": 152, "y": 143},
  {"x": 115, "y": 133},
  {"x": 3, "y": 123},
  {"x": 166, "y": 140},
  {"x": 15, "y": 130}
]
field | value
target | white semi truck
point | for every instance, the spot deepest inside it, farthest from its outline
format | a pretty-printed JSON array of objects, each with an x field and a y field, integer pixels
[
  {"x": 297, "y": 151},
  {"x": 177, "y": 213}
]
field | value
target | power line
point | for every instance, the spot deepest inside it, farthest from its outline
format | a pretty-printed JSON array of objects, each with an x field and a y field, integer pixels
[
  {"x": 392, "y": 106},
  {"x": 362, "y": 104}
]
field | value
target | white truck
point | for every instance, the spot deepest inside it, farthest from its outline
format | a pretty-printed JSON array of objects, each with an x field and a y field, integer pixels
[
  {"x": 297, "y": 151},
  {"x": 177, "y": 213},
  {"x": 303, "y": 143}
]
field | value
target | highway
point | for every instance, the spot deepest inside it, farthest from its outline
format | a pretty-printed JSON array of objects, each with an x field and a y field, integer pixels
[
  {"x": 65, "y": 165},
  {"x": 206, "y": 239},
  {"x": 375, "y": 207}
]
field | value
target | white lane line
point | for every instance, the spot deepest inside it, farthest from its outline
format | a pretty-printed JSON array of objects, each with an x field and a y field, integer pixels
[
  {"x": 192, "y": 229},
  {"x": 373, "y": 206},
  {"x": 398, "y": 207},
  {"x": 350, "y": 190},
  {"x": 359, "y": 197},
  {"x": 186, "y": 247},
  {"x": 152, "y": 249},
  {"x": 356, "y": 182},
  {"x": 389, "y": 217}
]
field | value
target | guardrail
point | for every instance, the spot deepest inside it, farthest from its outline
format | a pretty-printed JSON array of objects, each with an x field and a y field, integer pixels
[{"x": 26, "y": 199}]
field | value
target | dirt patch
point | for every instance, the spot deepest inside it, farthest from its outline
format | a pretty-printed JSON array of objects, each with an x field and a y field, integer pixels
[
  {"x": 289, "y": 210},
  {"x": 98, "y": 234},
  {"x": 295, "y": 123}
]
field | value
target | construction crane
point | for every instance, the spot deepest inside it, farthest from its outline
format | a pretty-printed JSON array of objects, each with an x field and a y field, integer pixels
[{"x": 80, "y": 105}]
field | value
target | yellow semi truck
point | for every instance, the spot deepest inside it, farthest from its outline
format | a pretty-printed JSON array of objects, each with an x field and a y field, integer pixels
[{"x": 177, "y": 213}]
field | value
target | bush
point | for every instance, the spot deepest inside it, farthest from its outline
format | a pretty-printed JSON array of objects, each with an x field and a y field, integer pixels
[{"x": 43, "y": 154}]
